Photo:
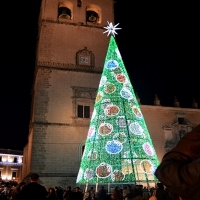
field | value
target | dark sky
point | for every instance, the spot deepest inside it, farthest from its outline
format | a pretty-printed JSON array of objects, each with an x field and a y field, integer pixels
[{"x": 159, "y": 44}]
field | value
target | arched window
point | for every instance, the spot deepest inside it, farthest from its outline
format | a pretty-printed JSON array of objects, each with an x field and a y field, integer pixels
[
  {"x": 65, "y": 10},
  {"x": 81, "y": 148},
  {"x": 93, "y": 14}
]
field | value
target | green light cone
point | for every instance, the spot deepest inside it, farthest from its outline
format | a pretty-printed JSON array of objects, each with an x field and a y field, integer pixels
[{"x": 118, "y": 147}]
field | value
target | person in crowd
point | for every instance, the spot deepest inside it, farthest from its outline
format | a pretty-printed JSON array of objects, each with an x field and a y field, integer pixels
[
  {"x": 59, "y": 193},
  {"x": 92, "y": 195},
  {"x": 52, "y": 194},
  {"x": 125, "y": 193},
  {"x": 102, "y": 193},
  {"x": 179, "y": 169},
  {"x": 17, "y": 192},
  {"x": 117, "y": 194},
  {"x": 33, "y": 190},
  {"x": 145, "y": 192},
  {"x": 160, "y": 193},
  {"x": 68, "y": 194},
  {"x": 78, "y": 195}
]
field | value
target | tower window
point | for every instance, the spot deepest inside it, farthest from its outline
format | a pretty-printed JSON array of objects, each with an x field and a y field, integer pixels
[
  {"x": 64, "y": 12},
  {"x": 91, "y": 16},
  {"x": 83, "y": 111}
]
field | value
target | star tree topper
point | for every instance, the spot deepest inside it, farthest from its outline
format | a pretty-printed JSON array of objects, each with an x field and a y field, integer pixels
[{"x": 111, "y": 29}]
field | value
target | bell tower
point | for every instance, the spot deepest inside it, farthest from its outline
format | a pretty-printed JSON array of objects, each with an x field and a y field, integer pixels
[{"x": 70, "y": 56}]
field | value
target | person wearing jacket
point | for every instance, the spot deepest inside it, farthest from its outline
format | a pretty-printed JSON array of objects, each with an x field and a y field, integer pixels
[{"x": 179, "y": 169}]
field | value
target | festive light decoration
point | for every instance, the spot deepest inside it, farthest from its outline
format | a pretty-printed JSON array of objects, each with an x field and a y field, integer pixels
[
  {"x": 111, "y": 29},
  {"x": 118, "y": 147}
]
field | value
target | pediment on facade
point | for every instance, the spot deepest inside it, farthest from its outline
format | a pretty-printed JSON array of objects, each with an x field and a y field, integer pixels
[
  {"x": 174, "y": 131},
  {"x": 84, "y": 92},
  {"x": 85, "y": 57}
]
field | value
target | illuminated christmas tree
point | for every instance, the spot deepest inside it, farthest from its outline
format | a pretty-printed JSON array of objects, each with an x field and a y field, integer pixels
[{"x": 118, "y": 147}]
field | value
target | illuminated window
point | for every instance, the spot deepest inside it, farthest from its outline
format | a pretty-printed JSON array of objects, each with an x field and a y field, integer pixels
[
  {"x": 14, "y": 174},
  {"x": 83, "y": 111}
]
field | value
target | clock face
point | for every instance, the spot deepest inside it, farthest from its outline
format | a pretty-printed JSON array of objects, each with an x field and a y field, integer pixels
[{"x": 84, "y": 60}]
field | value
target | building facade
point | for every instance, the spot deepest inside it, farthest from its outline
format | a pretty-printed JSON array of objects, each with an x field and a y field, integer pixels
[
  {"x": 70, "y": 56},
  {"x": 11, "y": 162}
]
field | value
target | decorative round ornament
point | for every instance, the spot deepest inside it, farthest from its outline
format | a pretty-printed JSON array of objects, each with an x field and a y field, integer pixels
[
  {"x": 89, "y": 173},
  {"x": 117, "y": 71},
  {"x": 112, "y": 64},
  {"x": 109, "y": 88},
  {"x": 104, "y": 170},
  {"x": 137, "y": 112},
  {"x": 114, "y": 147},
  {"x": 126, "y": 93},
  {"x": 111, "y": 110},
  {"x": 148, "y": 149},
  {"x": 121, "y": 78},
  {"x": 117, "y": 176},
  {"x": 147, "y": 166},
  {"x": 105, "y": 129},
  {"x": 136, "y": 129}
]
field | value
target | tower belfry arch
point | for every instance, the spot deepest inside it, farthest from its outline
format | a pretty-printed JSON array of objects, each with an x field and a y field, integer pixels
[{"x": 70, "y": 56}]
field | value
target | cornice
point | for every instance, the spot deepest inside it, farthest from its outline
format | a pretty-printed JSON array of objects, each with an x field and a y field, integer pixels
[
  {"x": 68, "y": 67},
  {"x": 72, "y": 23},
  {"x": 164, "y": 108},
  {"x": 60, "y": 124}
]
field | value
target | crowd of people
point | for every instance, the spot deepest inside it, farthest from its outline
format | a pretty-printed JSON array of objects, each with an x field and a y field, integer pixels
[
  {"x": 179, "y": 173},
  {"x": 33, "y": 190}
]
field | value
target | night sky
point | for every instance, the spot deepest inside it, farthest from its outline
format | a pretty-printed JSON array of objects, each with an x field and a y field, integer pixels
[{"x": 159, "y": 44}]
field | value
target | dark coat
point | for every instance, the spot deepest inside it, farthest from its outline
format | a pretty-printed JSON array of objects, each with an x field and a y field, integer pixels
[
  {"x": 33, "y": 191},
  {"x": 102, "y": 194},
  {"x": 68, "y": 195},
  {"x": 77, "y": 195},
  {"x": 179, "y": 170}
]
